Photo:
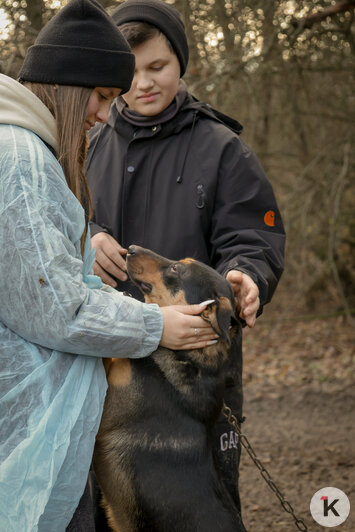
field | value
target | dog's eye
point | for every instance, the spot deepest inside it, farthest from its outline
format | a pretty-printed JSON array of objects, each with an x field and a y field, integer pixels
[{"x": 174, "y": 268}]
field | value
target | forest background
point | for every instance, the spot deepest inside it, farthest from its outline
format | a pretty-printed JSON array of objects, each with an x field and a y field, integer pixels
[{"x": 285, "y": 69}]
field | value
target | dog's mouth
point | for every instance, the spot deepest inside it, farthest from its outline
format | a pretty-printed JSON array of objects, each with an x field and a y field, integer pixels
[
  {"x": 133, "y": 270},
  {"x": 146, "y": 288}
]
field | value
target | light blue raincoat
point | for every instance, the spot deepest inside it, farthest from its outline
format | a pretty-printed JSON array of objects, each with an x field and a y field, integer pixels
[{"x": 56, "y": 322}]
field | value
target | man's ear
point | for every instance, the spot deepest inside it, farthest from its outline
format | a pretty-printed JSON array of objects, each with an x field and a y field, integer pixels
[{"x": 219, "y": 315}]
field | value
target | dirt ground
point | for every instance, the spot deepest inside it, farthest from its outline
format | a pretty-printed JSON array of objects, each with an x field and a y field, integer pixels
[{"x": 299, "y": 403}]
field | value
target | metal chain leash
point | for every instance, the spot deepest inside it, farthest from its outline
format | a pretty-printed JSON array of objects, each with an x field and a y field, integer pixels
[{"x": 232, "y": 420}]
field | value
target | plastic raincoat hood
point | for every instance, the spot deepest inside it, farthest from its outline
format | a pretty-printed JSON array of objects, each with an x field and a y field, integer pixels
[{"x": 56, "y": 322}]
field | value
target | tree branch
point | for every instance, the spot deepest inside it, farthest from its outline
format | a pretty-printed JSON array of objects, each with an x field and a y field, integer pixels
[{"x": 331, "y": 11}]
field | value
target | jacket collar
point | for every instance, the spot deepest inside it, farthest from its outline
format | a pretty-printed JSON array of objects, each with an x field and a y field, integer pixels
[
  {"x": 20, "y": 107},
  {"x": 190, "y": 109},
  {"x": 138, "y": 120}
]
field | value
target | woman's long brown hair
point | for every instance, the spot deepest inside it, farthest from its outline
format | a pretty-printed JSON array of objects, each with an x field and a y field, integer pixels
[{"x": 68, "y": 105}]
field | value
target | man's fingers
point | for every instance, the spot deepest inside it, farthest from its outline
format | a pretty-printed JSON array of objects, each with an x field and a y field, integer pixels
[
  {"x": 115, "y": 254},
  {"x": 234, "y": 276},
  {"x": 105, "y": 277},
  {"x": 246, "y": 294},
  {"x": 250, "y": 321},
  {"x": 248, "y": 313},
  {"x": 252, "y": 294},
  {"x": 109, "y": 255},
  {"x": 111, "y": 260},
  {"x": 250, "y": 305},
  {"x": 109, "y": 266}
]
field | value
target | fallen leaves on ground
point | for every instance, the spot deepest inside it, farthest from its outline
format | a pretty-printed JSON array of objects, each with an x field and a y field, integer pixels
[{"x": 293, "y": 352}]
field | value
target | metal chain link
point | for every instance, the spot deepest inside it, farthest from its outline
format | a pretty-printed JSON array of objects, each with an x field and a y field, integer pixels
[{"x": 232, "y": 420}]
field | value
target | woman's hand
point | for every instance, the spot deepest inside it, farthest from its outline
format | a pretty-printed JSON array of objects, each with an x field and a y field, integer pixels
[
  {"x": 109, "y": 259},
  {"x": 184, "y": 330}
]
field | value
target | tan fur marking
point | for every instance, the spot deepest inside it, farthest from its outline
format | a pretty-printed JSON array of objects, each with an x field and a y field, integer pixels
[
  {"x": 188, "y": 260},
  {"x": 163, "y": 297},
  {"x": 120, "y": 504},
  {"x": 111, "y": 517},
  {"x": 146, "y": 269},
  {"x": 107, "y": 364},
  {"x": 160, "y": 294},
  {"x": 210, "y": 356},
  {"x": 225, "y": 303},
  {"x": 213, "y": 314},
  {"x": 120, "y": 372},
  {"x": 142, "y": 265}
]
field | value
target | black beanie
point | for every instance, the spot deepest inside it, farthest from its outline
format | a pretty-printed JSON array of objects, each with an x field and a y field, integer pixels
[
  {"x": 165, "y": 17},
  {"x": 80, "y": 46}
]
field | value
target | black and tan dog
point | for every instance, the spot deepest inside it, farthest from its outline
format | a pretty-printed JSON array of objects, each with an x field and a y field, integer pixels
[{"x": 153, "y": 457}]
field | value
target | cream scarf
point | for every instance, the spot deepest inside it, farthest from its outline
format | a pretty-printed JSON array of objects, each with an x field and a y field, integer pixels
[{"x": 20, "y": 107}]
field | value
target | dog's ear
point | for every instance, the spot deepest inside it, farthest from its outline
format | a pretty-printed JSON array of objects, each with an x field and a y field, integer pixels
[{"x": 219, "y": 315}]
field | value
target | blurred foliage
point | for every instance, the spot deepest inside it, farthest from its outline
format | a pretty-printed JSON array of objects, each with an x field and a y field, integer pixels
[{"x": 285, "y": 70}]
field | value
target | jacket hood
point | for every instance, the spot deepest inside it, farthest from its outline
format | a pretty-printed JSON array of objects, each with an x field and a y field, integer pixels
[
  {"x": 20, "y": 107},
  {"x": 194, "y": 104}
]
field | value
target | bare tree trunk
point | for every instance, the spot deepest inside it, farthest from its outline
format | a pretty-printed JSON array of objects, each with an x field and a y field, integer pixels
[
  {"x": 266, "y": 77},
  {"x": 186, "y": 11},
  {"x": 224, "y": 20},
  {"x": 34, "y": 13}
]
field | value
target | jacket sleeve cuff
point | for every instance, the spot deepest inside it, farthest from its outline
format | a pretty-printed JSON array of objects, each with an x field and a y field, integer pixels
[
  {"x": 95, "y": 228},
  {"x": 154, "y": 323}
]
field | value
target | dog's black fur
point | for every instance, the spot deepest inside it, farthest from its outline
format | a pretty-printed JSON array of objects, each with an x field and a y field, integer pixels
[{"x": 153, "y": 457}]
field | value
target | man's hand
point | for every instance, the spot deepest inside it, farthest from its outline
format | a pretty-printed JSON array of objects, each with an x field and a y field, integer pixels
[
  {"x": 246, "y": 295},
  {"x": 109, "y": 260}
]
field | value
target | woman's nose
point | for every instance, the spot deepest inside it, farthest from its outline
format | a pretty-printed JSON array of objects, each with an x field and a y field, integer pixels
[{"x": 102, "y": 114}]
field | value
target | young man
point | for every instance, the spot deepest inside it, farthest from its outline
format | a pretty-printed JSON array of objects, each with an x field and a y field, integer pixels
[{"x": 169, "y": 173}]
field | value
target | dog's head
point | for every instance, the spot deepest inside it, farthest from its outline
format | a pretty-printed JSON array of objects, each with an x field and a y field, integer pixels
[{"x": 187, "y": 281}]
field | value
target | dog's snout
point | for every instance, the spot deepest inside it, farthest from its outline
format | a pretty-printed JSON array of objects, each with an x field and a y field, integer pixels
[{"x": 132, "y": 250}]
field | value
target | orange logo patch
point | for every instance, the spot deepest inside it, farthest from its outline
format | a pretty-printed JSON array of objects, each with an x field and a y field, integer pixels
[{"x": 269, "y": 218}]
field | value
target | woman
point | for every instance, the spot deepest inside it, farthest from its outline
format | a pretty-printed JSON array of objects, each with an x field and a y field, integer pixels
[{"x": 56, "y": 319}]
